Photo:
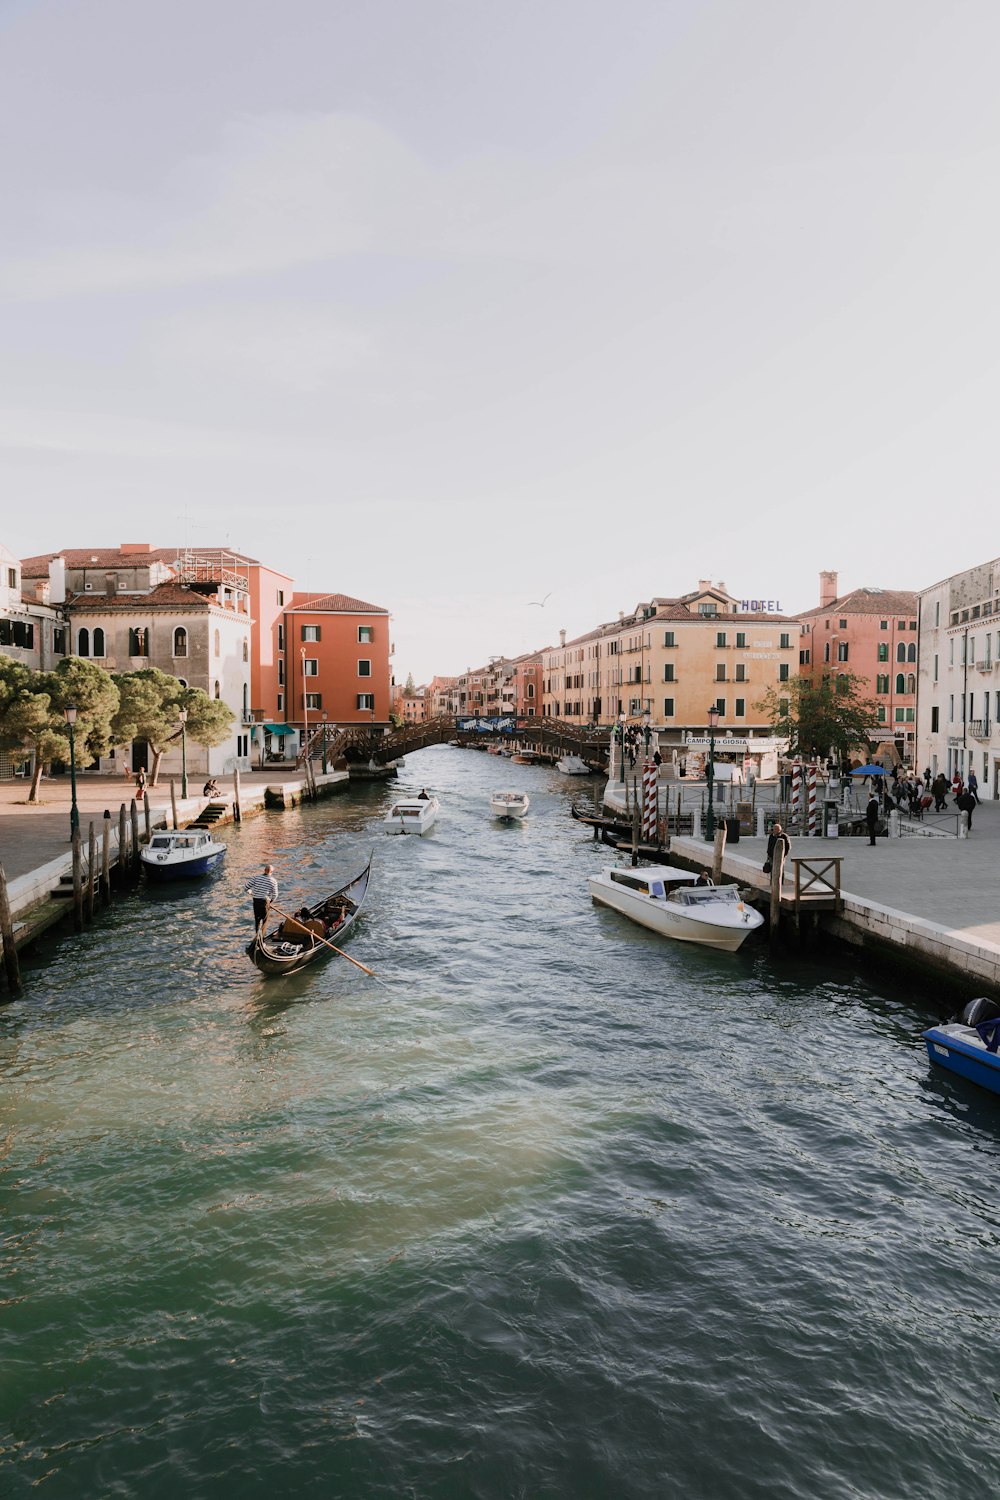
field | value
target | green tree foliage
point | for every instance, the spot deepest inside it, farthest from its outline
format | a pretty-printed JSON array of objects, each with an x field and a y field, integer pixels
[
  {"x": 409, "y": 687},
  {"x": 150, "y": 707},
  {"x": 828, "y": 717},
  {"x": 32, "y": 717}
]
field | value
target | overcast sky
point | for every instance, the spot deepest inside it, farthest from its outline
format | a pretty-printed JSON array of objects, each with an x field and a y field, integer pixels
[{"x": 452, "y": 304}]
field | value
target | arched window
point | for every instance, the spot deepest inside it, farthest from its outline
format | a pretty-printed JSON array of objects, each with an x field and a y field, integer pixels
[
  {"x": 911, "y": 682},
  {"x": 900, "y": 683},
  {"x": 901, "y": 651},
  {"x": 98, "y": 641},
  {"x": 83, "y": 643},
  {"x": 246, "y": 651},
  {"x": 218, "y": 647},
  {"x": 911, "y": 651},
  {"x": 180, "y": 641},
  {"x": 218, "y": 689}
]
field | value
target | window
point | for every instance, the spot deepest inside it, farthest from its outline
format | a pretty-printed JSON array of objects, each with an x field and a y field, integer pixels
[
  {"x": 12, "y": 578},
  {"x": 138, "y": 642},
  {"x": 281, "y": 637},
  {"x": 951, "y": 708},
  {"x": 783, "y": 671},
  {"x": 911, "y": 682},
  {"x": 937, "y": 613},
  {"x": 708, "y": 609},
  {"x": 281, "y": 670},
  {"x": 842, "y": 624},
  {"x": 218, "y": 644},
  {"x": 883, "y": 651},
  {"x": 98, "y": 641},
  {"x": 883, "y": 624},
  {"x": 83, "y": 643},
  {"x": 784, "y": 641},
  {"x": 529, "y": 692},
  {"x": 911, "y": 651},
  {"x": 180, "y": 641},
  {"x": 804, "y": 657},
  {"x": 901, "y": 651},
  {"x": 59, "y": 641},
  {"x": 882, "y": 682},
  {"x": 668, "y": 710},
  {"x": 218, "y": 688},
  {"x": 741, "y": 672},
  {"x": 281, "y": 596},
  {"x": 881, "y": 713},
  {"x": 246, "y": 701},
  {"x": 741, "y": 639},
  {"x": 720, "y": 638},
  {"x": 826, "y": 651},
  {"x": 314, "y": 700},
  {"x": 904, "y": 715},
  {"x": 364, "y": 667},
  {"x": 934, "y": 719},
  {"x": 935, "y": 667},
  {"x": 720, "y": 704},
  {"x": 310, "y": 632},
  {"x": 669, "y": 671},
  {"x": 246, "y": 649},
  {"x": 740, "y": 711},
  {"x": 913, "y": 623},
  {"x": 720, "y": 672},
  {"x": 281, "y": 703},
  {"x": 900, "y": 683},
  {"x": 901, "y": 624},
  {"x": 669, "y": 638},
  {"x": 366, "y": 700},
  {"x": 783, "y": 707},
  {"x": 366, "y": 634},
  {"x": 841, "y": 650},
  {"x": 310, "y": 666}
]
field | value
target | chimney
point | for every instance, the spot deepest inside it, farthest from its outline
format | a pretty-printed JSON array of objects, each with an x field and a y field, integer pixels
[
  {"x": 110, "y": 584},
  {"x": 57, "y": 581},
  {"x": 562, "y": 637},
  {"x": 704, "y": 583},
  {"x": 135, "y": 547},
  {"x": 827, "y": 589}
]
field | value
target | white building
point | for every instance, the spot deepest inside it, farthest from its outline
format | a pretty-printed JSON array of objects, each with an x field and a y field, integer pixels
[{"x": 958, "y": 683}]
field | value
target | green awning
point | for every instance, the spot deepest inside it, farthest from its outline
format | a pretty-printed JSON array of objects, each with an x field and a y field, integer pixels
[{"x": 280, "y": 729}]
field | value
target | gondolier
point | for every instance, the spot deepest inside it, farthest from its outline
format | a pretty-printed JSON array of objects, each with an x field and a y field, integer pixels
[{"x": 264, "y": 889}]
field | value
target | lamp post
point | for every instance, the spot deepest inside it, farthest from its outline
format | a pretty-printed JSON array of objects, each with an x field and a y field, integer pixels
[
  {"x": 713, "y": 719},
  {"x": 183, "y": 716},
  {"x": 646, "y": 731},
  {"x": 74, "y": 812},
  {"x": 622, "y": 721},
  {"x": 325, "y": 717}
]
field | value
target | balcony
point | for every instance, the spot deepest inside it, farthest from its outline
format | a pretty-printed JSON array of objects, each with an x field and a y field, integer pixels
[
  {"x": 980, "y": 728},
  {"x": 987, "y": 666}
]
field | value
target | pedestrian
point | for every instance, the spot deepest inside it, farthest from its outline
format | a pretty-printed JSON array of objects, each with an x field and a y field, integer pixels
[
  {"x": 956, "y": 787},
  {"x": 927, "y": 778},
  {"x": 973, "y": 785},
  {"x": 140, "y": 785},
  {"x": 657, "y": 759},
  {"x": 264, "y": 889},
  {"x": 778, "y": 839},
  {"x": 939, "y": 791},
  {"x": 966, "y": 802},
  {"x": 871, "y": 818}
]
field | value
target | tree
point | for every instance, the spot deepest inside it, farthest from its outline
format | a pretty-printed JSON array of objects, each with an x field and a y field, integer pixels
[
  {"x": 32, "y": 712},
  {"x": 150, "y": 707},
  {"x": 825, "y": 718},
  {"x": 409, "y": 687}
]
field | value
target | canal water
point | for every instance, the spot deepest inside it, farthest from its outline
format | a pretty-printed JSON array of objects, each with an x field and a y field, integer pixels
[{"x": 552, "y": 1208}]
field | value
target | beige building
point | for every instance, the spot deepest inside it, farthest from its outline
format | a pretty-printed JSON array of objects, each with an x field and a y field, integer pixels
[{"x": 958, "y": 698}]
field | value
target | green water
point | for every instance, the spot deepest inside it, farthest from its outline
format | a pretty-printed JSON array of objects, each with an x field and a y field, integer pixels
[{"x": 552, "y": 1209}]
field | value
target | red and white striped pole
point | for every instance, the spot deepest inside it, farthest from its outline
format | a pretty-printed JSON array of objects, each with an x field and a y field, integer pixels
[
  {"x": 650, "y": 782},
  {"x": 812, "y": 801},
  {"x": 796, "y": 793}
]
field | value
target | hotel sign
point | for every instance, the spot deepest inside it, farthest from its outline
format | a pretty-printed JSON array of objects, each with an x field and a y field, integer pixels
[{"x": 760, "y": 607}]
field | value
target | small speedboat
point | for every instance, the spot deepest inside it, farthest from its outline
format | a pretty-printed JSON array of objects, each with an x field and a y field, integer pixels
[
  {"x": 968, "y": 1044},
  {"x": 412, "y": 815},
  {"x": 509, "y": 804},
  {"x": 667, "y": 901},
  {"x": 572, "y": 765},
  {"x": 180, "y": 856}
]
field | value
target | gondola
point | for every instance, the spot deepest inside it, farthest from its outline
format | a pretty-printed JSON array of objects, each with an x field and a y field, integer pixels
[{"x": 274, "y": 956}]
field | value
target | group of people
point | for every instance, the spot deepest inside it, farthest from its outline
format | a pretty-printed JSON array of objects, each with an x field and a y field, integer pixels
[{"x": 634, "y": 740}]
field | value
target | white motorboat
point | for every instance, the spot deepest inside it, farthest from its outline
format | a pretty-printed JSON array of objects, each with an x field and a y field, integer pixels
[
  {"x": 509, "y": 804},
  {"x": 667, "y": 900},
  {"x": 179, "y": 856},
  {"x": 412, "y": 815},
  {"x": 572, "y": 765}
]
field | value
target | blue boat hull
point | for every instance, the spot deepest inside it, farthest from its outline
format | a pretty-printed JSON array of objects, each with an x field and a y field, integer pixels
[
  {"x": 959, "y": 1057},
  {"x": 191, "y": 868}
]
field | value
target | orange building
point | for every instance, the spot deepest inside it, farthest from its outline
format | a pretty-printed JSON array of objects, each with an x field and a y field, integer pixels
[
  {"x": 270, "y": 594},
  {"x": 336, "y": 660},
  {"x": 870, "y": 633}
]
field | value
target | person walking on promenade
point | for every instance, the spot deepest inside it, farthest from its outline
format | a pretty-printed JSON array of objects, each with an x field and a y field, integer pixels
[
  {"x": 264, "y": 889},
  {"x": 871, "y": 818},
  {"x": 956, "y": 787},
  {"x": 966, "y": 802},
  {"x": 927, "y": 778},
  {"x": 939, "y": 791},
  {"x": 140, "y": 785},
  {"x": 973, "y": 785},
  {"x": 777, "y": 839}
]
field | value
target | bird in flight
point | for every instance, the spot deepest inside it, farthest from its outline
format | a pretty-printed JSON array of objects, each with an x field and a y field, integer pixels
[{"x": 540, "y": 602}]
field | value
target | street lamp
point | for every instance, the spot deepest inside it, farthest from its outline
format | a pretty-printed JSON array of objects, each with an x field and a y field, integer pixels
[
  {"x": 622, "y": 721},
  {"x": 182, "y": 714},
  {"x": 646, "y": 731},
  {"x": 325, "y": 717},
  {"x": 74, "y": 812},
  {"x": 713, "y": 719}
]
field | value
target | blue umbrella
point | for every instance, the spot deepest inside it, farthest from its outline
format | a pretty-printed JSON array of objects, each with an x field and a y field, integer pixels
[{"x": 870, "y": 771}]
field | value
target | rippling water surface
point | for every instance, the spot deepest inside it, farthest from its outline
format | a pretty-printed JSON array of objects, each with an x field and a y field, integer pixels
[{"x": 552, "y": 1209}]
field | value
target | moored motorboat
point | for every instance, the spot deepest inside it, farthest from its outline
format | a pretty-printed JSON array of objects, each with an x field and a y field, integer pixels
[
  {"x": 182, "y": 855},
  {"x": 412, "y": 815},
  {"x": 572, "y": 765},
  {"x": 667, "y": 901},
  {"x": 509, "y": 804},
  {"x": 968, "y": 1044},
  {"x": 337, "y": 912}
]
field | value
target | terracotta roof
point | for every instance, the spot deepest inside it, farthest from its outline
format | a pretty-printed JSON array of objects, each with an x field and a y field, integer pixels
[
  {"x": 333, "y": 604},
  {"x": 114, "y": 557},
  {"x": 164, "y": 596},
  {"x": 867, "y": 601}
]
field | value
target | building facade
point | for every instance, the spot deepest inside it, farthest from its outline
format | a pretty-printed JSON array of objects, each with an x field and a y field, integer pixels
[
  {"x": 32, "y": 621},
  {"x": 335, "y": 661},
  {"x": 958, "y": 700}
]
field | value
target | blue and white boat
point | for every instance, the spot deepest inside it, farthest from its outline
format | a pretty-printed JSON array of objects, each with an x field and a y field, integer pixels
[
  {"x": 968, "y": 1045},
  {"x": 180, "y": 856}
]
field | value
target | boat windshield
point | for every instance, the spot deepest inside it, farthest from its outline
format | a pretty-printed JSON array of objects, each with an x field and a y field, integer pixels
[
  {"x": 161, "y": 843},
  {"x": 707, "y": 895}
]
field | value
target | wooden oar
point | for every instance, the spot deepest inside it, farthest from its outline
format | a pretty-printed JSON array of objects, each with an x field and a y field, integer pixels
[{"x": 316, "y": 938}]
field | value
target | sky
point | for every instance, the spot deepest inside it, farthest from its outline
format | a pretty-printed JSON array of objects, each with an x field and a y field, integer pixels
[{"x": 452, "y": 305}]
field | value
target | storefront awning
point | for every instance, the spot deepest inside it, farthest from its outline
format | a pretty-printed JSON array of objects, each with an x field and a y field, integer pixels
[{"x": 279, "y": 729}]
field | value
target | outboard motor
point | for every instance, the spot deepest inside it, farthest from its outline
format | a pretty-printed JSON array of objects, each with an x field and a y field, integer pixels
[{"x": 979, "y": 1010}]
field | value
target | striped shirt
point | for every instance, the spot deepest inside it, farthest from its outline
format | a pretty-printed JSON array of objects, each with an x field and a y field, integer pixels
[{"x": 262, "y": 888}]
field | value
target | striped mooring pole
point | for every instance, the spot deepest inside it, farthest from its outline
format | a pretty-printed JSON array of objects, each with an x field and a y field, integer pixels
[
  {"x": 812, "y": 801},
  {"x": 796, "y": 794}
]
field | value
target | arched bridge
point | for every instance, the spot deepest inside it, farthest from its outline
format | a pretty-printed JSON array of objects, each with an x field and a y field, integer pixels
[{"x": 359, "y": 746}]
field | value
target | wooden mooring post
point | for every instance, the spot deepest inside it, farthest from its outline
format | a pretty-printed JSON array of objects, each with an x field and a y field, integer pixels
[
  {"x": 106, "y": 860},
  {"x": 237, "y": 805},
  {"x": 173, "y": 802},
  {"x": 133, "y": 860},
  {"x": 11, "y": 966},
  {"x": 777, "y": 870},
  {"x": 719, "y": 852},
  {"x": 147, "y": 817},
  {"x": 77, "y": 880},
  {"x": 91, "y": 870},
  {"x": 122, "y": 842}
]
